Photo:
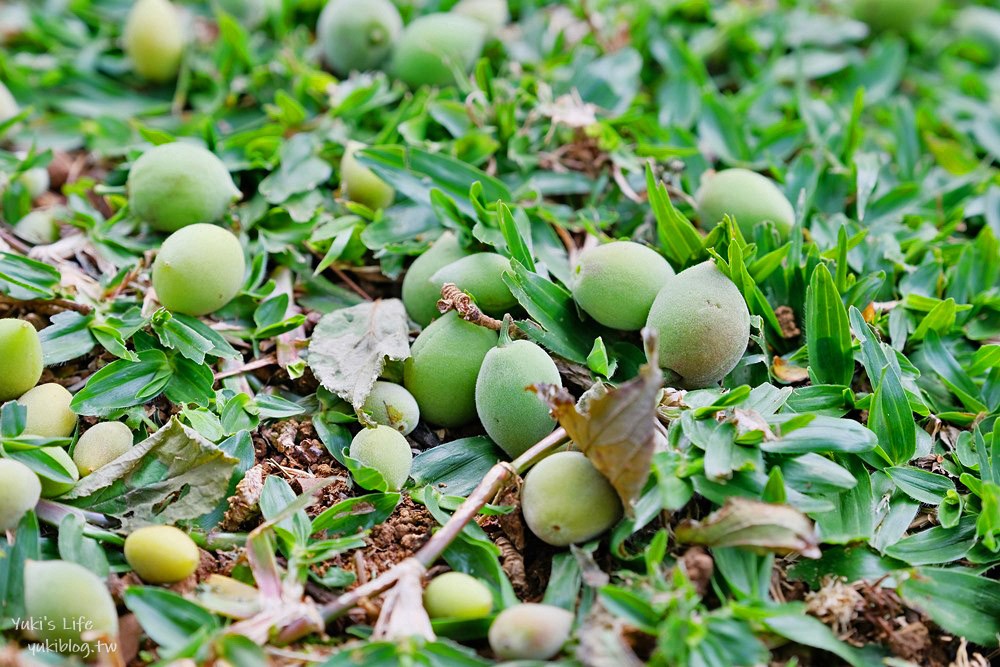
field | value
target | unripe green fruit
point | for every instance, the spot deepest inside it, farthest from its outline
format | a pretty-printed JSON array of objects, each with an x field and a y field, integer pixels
[
  {"x": 8, "y": 107},
  {"x": 178, "y": 184},
  {"x": 386, "y": 450},
  {"x": 432, "y": 47},
  {"x": 35, "y": 180},
  {"x": 481, "y": 275},
  {"x": 391, "y": 405},
  {"x": 514, "y": 417},
  {"x": 493, "y": 14},
  {"x": 53, "y": 489},
  {"x": 161, "y": 554},
  {"x": 49, "y": 414},
  {"x": 360, "y": 184},
  {"x": 100, "y": 445},
  {"x": 442, "y": 369},
  {"x": 198, "y": 270},
  {"x": 71, "y": 599},
  {"x": 530, "y": 631},
  {"x": 19, "y": 492},
  {"x": 616, "y": 283},
  {"x": 20, "y": 358},
  {"x": 420, "y": 295},
  {"x": 746, "y": 196},
  {"x": 38, "y": 228},
  {"x": 457, "y": 595},
  {"x": 894, "y": 15},
  {"x": 703, "y": 325},
  {"x": 154, "y": 39},
  {"x": 357, "y": 36}
]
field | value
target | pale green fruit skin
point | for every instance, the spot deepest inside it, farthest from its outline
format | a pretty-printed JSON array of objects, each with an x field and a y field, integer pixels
[
  {"x": 36, "y": 181},
  {"x": 154, "y": 39},
  {"x": 481, "y": 275},
  {"x": 494, "y": 14},
  {"x": 894, "y": 15},
  {"x": 52, "y": 489},
  {"x": 161, "y": 554},
  {"x": 19, "y": 492},
  {"x": 20, "y": 358},
  {"x": 357, "y": 36},
  {"x": 199, "y": 269},
  {"x": 386, "y": 450},
  {"x": 703, "y": 325},
  {"x": 49, "y": 415},
  {"x": 515, "y": 418},
  {"x": 8, "y": 107},
  {"x": 420, "y": 295},
  {"x": 565, "y": 500},
  {"x": 100, "y": 445},
  {"x": 530, "y": 631},
  {"x": 748, "y": 197},
  {"x": 457, "y": 595},
  {"x": 38, "y": 228},
  {"x": 433, "y": 46},
  {"x": 391, "y": 405},
  {"x": 616, "y": 283},
  {"x": 442, "y": 370},
  {"x": 179, "y": 184},
  {"x": 67, "y": 594},
  {"x": 360, "y": 184}
]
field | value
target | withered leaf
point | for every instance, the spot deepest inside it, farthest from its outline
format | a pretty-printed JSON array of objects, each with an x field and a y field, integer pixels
[{"x": 743, "y": 522}]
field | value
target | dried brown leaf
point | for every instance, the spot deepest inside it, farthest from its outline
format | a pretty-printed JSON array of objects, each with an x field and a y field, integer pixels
[{"x": 751, "y": 523}]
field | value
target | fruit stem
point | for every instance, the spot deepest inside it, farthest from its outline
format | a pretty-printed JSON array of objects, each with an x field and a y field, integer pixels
[{"x": 52, "y": 513}]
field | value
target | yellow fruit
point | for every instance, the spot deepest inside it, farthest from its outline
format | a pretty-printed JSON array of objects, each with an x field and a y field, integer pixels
[
  {"x": 457, "y": 595},
  {"x": 481, "y": 275},
  {"x": 386, "y": 450},
  {"x": 360, "y": 184},
  {"x": 434, "y": 46},
  {"x": 19, "y": 492},
  {"x": 746, "y": 196},
  {"x": 391, "y": 405},
  {"x": 154, "y": 39},
  {"x": 161, "y": 554},
  {"x": 198, "y": 270},
  {"x": 357, "y": 36},
  {"x": 530, "y": 632},
  {"x": 100, "y": 445},
  {"x": 420, "y": 295},
  {"x": 49, "y": 415},
  {"x": 52, "y": 488},
  {"x": 70, "y": 600},
  {"x": 20, "y": 358}
]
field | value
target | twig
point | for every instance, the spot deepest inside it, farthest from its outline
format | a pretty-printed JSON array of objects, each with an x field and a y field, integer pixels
[
  {"x": 453, "y": 298},
  {"x": 232, "y": 370},
  {"x": 350, "y": 283},
  {"x": 48, "y": 306}
]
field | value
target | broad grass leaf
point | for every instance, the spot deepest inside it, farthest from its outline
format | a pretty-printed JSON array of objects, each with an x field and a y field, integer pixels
[
  {"x": 961, "y": 602},
  {"x": 743, "y": 522},
  {"x": 828, "y": 334}
]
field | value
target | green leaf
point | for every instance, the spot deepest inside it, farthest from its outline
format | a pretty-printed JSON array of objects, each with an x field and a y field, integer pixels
[
  {"x": 927, "y": 487},
  {"x": 171, "y": 621},
  {"x": 828, "y": 334},
  {"x": 961, "y": 602},
  {"x": 456, "y": 467},
  {"x": 936, "y": 545},
  {"x": 122, "y": 384},
  {"x": 679, "y": 240}
]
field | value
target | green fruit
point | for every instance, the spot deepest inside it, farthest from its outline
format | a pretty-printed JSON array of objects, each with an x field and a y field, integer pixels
[
  {"x": 360, "y": 184},
  {"x": 434, "y": 46},
  {"x": 357, "y": 36},
  {"x": 442, "y": 369},
  {"x": 198, "y": 270},
  {"x": 420, "y": 295},
  {"x": 565, "y": 500},
  {"x": 894, "y": 15},
  {"x": 8, "y": 107},
  {"x": 154, "y": 39},
  {"x": 746, "y": 196},
  {"x": 481, "y": 275},
  {"x": 161, "y": 554},
  {"x": 703, "y": 325},
  {"x": 38, "y": 228},
  {"x": 20, "y": 358},
  {"x": 616, "y": 283},
  {"x": 391, "y": 405},
  {"x": 36, "y": 179},
  {"x": 19, "y": 493},
  {"x": 457, "y": 595},
  {"x": 100, "y": 445},
  {"x": 52, "y": 488},
  {"x": 494, "y": 14},
  {"x": 49, "y": 414},
  {"x": 514, "y": 417},
  {"x": 71, "y": 599},
  {"x": 530, "y": 631},
  {"x": 386, "y": 450},
  {"x": 178, "y": 184}
]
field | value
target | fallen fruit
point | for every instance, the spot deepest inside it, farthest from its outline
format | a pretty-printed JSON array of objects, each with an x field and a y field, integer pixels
[
  {"x": 433, "y": 47},
  {"x": 530, "y": 631},
  {"x": 494, "y": 14},
  {"x": 49, "y": 415},
  {"x": 360, "y": 184},
  {"x": 20, "y": 358},
  {"x": 480, "y": 275},
  {"x": 746, "y": 196},
  {"x": 53, "y": 488},
  {"x": 391, "y": 405},
  {"x": 100, "y": 445},
  {"x": 198, "y": 270},
  {"x": 386, "y": 450},
  {"x": 154, "y": 39},
  {"x": 457, "y": 595},
  {"x": 357, "y": 36},
  {"x": 72, "y": 600},
  {"x": 38, "y": 228},
  {"x": 616, "y": 283},
  {"x": 161, "y": 554},
  {"x": 420, "y": 295},
  {"x": 19, "y": 493}
]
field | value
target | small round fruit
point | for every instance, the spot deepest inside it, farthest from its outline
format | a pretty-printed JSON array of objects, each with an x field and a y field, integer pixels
[
  {"x": 433, "y": 47},
  {"x": 420, "y": 295},
  {"x": 20, "y": 358},
  {"x": 100, "y": 445},
  {"x": 494, "y": 14},
  {"x": 899, "y": 16},
  {"x": 35, "y": 180},
  {"x": 161, "y": 554},
  {"x": 357, "y": 36},
  {"x": 49, "y": 414},
  {"x": 52, "y": 488},
  {"x": 747, "y": 197},
  {"x": 530, "y": 631},
  {"x": 386, "y": 450},
  {"x": 457, "y": 595},
  {"x": 442, "y": 369},
  {"x": 360, "y": 184},
  {"x": 514, "y": 417},
  {"x": 199, "y": 269},
  {"x": 481, "y": 275},
  {"x": 154, "y": 39},
  {"x": 38, "y": 228},
  {"x": 8, "y": 107},
  {"x": 178, "y": 184},
  {"x": 616, "y": 283},
  {"x": 703, "y": 325},
  {"x": 565, "y": 500},
  {"x": 19, "y": 492},
  {"x": 391, "y": 405},
  {"x": 71, "y": 599}
]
